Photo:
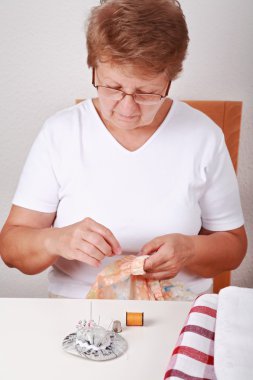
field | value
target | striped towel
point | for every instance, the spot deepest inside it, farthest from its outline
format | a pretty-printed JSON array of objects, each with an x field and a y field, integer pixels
[{"x": 193, "y": 356}]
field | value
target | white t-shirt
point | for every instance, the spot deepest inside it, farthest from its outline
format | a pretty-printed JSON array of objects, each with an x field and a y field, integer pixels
[{"x": 181, "y": 179}]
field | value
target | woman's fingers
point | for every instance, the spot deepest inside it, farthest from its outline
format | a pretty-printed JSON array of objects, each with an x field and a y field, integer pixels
[
  {"x": 162, "y": 261},
  {"x": 151, "y": 246},
  {"x": 168, "y": 255},
  {"x": 158, "y": 276},
  {"x": 86, "y": 241},
  {"x": 106, "y": 233},
  {"x": 154, "y": 261},
  {"x": 83, "y": 257},
  {"x": 90, "y": 250},
  {"x": 97, "y": 242}
]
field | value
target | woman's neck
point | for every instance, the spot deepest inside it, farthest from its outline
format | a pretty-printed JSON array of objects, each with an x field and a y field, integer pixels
[{"x": 134, "y": 138}]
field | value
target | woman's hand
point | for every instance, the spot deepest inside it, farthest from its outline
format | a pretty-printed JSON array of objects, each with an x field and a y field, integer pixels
[
  {"x": 168, "y": 255},
  {"x": 86, "y": 241}
]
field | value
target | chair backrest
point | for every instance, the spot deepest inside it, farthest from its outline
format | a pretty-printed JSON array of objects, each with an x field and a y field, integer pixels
[{"x": 227, "y": 115}]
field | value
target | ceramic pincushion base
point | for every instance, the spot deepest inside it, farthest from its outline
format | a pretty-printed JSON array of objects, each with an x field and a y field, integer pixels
[{"x": 94, "y": 342}]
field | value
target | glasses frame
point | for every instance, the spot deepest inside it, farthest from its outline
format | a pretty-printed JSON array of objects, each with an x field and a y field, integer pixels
[{"x": 125, "y": 93}]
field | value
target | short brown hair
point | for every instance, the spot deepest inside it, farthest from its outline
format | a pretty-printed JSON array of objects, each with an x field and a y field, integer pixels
[{"x": 149, "y": 35}]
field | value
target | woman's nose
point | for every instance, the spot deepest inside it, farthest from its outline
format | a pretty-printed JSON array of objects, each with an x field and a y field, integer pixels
[{"x": 127, "y": 105}]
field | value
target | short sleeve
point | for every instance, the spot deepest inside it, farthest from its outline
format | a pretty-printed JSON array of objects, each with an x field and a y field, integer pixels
[
  {"x": 38, "y": 186},
  {"x": 220, "y": 202}
]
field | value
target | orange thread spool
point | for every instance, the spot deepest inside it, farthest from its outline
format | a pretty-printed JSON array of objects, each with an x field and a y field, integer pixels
[{"x": 134, "y": 319}]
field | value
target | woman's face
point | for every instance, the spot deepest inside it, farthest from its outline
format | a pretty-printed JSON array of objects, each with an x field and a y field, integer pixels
[{"x": 127, "y": 114}]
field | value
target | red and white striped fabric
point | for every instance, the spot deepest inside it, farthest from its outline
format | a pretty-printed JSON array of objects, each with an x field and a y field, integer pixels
[{"x": 193, "y": 356}]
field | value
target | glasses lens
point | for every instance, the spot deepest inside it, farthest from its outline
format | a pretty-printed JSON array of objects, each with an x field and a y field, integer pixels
[
  {"x": 147, "y": 99},
  {"x": 117, "y": 95},
  {"x": 111, "y": 93}
]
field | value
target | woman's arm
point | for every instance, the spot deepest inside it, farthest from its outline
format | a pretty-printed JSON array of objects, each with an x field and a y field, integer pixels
[
  {"x": 216, "y": 252},
  {"x": 23, "y": 240},
  {"x": 29, "y": 243},
  {"x": 206, "y": 254}
]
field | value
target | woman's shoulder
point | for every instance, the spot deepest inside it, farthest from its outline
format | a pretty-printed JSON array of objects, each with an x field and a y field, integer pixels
[
  {"x": 68, "y": 118},
  {"x": 194, "y": 131},
  {"x": 63, "y": 131},
  {"x": 195, "y": 122}
]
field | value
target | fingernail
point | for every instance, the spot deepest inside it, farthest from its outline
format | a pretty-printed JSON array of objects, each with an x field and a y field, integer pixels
[{"x": 118, "y": 251}]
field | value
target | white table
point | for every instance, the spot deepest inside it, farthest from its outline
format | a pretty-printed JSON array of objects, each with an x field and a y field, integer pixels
[{"x": 32, "y": 330}]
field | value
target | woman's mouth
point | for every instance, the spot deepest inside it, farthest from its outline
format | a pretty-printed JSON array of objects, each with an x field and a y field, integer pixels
[{"x": 125, "y": 117}]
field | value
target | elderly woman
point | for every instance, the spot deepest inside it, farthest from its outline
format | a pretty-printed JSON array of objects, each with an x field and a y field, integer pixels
[{"x": 131, "y": 171}]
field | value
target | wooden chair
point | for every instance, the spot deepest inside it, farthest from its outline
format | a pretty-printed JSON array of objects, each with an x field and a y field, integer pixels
[{"x": 227, "y": 115}]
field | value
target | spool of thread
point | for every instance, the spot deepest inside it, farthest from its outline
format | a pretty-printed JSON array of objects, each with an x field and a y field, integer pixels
[{"x": 134, "y": 319}]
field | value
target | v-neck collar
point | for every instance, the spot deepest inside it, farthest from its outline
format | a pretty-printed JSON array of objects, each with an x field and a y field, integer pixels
[{"x": 117, "y": 143}]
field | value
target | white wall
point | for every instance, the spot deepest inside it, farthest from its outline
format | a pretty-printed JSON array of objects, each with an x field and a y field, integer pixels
[{"x": 43, "y": 69}]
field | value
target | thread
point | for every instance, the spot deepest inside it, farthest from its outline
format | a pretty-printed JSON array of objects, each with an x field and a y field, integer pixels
[{"x": 134, "y": 319}]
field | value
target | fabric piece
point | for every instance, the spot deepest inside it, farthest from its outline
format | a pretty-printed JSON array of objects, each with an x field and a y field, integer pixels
[
  {"x": 124, "y": 279},
  {"x": 233, "y": 347},
  {"x": 193, "y": 356},
  {"x": 77, "y": 168}
]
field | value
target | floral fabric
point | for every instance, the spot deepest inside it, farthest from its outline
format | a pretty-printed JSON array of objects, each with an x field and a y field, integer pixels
[{"x": 125, "y": 279}]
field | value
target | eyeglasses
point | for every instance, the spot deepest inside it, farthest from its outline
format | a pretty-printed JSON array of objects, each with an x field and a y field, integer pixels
[{"x": 118, "y": 95}]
